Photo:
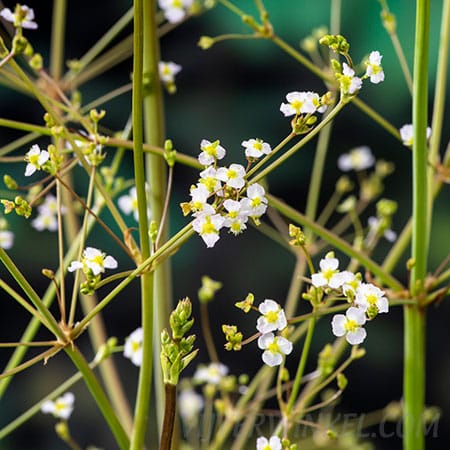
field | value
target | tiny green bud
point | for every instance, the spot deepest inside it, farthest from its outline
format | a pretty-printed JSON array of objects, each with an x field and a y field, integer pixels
[
  {"x": 74, "y": 65},
  {"x": 233, "y": 337},
  {"x": 243, "y": 379},
  {"x": 206, "y": 42},
  {"x": 309, "y": 44},
  {"x": 344, "y": 184},
  {"x": 337, "y": 43},
  {"x": 96, "y": 116},
  {"x": 299, "y": 238},
  {"x": 389, "y": 21},
  {"x": 62, "y": 430},
  {"x": 347, "y": 205},
  {"x": 36, "y": 62},
  {"x": 219, "y": 406},
  {"x": 386, "y": 207},
  {"x": 410, "y": 263},
  {"x": 48, "y": 273},
  {"x": 342, "y": 381},
  {"x": 246, "y": 305},
  {"x": 332, "y": 434},
  {"x": 384, "y": 168},
  {"x": 10, "y": 182},
  {"x": 208, "y": 289},
  {"x": 19, "y": 44},
  {"x": 153, "y": 231}
]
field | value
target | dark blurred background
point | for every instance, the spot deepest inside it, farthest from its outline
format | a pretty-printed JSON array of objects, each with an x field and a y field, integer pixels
[{"x": 233, "y": 92}]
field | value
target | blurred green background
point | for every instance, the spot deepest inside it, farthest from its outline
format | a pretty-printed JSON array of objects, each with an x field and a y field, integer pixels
[{"x": 233, "y": 92}]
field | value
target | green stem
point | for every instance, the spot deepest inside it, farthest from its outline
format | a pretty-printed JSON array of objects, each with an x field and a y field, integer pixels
[
  {"x": 301, "y": 366},
  {"x": 414, "y": 316},
  {"x": 99, "y": 396},
  {"x": 157, "y": 180},
  {"x": 57, "y": 40},
  {"x": 145, "y": 374}
]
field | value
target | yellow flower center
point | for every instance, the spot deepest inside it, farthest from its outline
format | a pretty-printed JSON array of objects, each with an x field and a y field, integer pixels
[
  {"x": 272, "y": 316},
  {"x": 350, "y": 326}
]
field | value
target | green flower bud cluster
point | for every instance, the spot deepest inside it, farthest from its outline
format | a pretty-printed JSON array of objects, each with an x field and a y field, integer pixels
[{"x": 176, "y": 350}]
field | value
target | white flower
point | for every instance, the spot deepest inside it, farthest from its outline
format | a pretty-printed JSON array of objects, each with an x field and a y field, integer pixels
[
  {"x": 376, "y": 225},
  {"x": 6, "y": 239},
  {"x": 93, "y": 260},
  {"x": 208, "y": 177},
  {"x": 273, "y": 317},
  {"x": 370, "y": 298},
  {"x": 236, "y": 216},
  {"x": 45, "y": 221},
  {"x": 232, "y": 176},
  {"x": 47, "y": 217},
  {"x": 274, "y": 443},
  {"x": 255, "y": 202},
  {"x": 274, "y": 348},
  {"x": 190, "y": 404},
  {"x": 199, "y": 200},
  {"x": 167, "y": 71},
  {"x": 23, "y": 17},
  {"x": 329, "y": 274},
  {"x": 374, "y": 69},
  {"x": 302, "y": 103},
  {"x": 350, "y": 84},
  {"x": 36, "y": 158},
  {"x": 133, "y": 347},
  {"x": 358, "y": 158},
  {"x": 350, "y": 283},
  {"x": 175, "y": 10},
  {"x": 211, "y": 151},
  {"x": 350, "y": 325},
  {"x": 255, "y": 148},
  {"x": 61, "y": 408},
  {"x": 128, "y": 203},
  {"x": 407, "y": 134},
  {"x": 208, "y": 226},
  {"x": 210, "y": 374}
]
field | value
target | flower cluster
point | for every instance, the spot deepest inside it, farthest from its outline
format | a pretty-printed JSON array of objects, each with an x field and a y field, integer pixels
[
  {"x": 47, "y": 218},
  {"x": 367, "y": 300},
  {"x": 175, "y": 10},
  {"x": 272, "y": 319},
  {"x": 222, "y": 198}
]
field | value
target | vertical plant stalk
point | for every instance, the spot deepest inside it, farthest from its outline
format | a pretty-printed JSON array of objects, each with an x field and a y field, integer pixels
[
  {"x": 145, "y": 373},
  {"x": 169, "y": 416},
  {"x": 156, "y": 166},
  {"x": 414, "y": 315}
]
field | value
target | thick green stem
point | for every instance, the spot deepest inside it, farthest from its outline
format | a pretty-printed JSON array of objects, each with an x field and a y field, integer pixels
[
  {"x": 414, "y": 334},
  {"x": 157, "y": 181},
  {"x": 99, "y": 396},
  {"x": 145, "y": 374}
]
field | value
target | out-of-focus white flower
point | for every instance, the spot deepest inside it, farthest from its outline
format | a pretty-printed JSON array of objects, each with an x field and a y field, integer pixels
[
  {"x": 133, "y": 347},
  {"x": 167, "y": 71},
  {"x": 190, "y": 404},
  {"x": 375, "y": 224},
  {"x": 359, "y": 158},
  {"x": 274, "y": 443},
  {"x": 407, "y": 134},
  {"x": 22, "y": 17},
  {"x": 128, "y": 203},
  {"x": 6, "y": 239},
  {"x": 211, "y": 373},
  {"x": 175, "y": 10},
  {"x": 61, "y": 408}
]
